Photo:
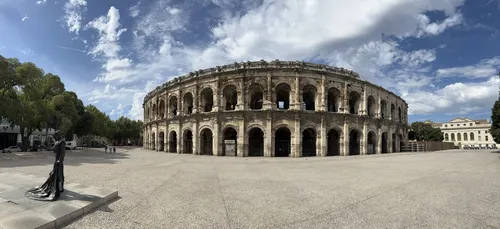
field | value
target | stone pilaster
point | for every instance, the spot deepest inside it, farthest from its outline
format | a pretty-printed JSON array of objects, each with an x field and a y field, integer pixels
[
  {"x": 240, "y": 142},
  {"x": 364, "y": 140},
  {"x": 346, "y": 138},
  {"x": 379, "y": 142},
  {"x": 345, "y": 100},
  {"x": 322, "y": 96},
  {"x": 322, "y": 139},
  {"x": 269, "y": 137}
]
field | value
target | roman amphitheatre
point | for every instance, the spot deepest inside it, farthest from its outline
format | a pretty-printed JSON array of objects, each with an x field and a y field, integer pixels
[{"x": 274, "y": 109}]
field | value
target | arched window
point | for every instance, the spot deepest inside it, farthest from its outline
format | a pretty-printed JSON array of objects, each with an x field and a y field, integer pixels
[
  {"x": 446, "y": 137},
  {"x": 452, "y": 137},
  {"x": 472, "y": 136}
]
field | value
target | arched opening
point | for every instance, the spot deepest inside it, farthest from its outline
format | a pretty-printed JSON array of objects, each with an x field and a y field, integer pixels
[
  {"x": 282, "y": 142},
  {"x": 371, "y": 143},
  {"x": 459, "y": 137},
  {"x": 452, "y": 137},
  {"x": 354, "y": 143},
  {"x": 172, "y": 142},
  {"x": 370, "y": 106},
  {"x": 188, "y": 103},
  {"x": 256, "y": 97},
  {"x": 309, "y": 142},
  {"x": 153, "y": 143},
  {"x": 161, "y": 141},
  {"x": 384, "y": 143},
  {"x": 472, "y": 136},
  {"x": 146, "y": 113},
  {"x": 188, "y": 142},
  {"x": 230, "y": 97},
  {"x": 308, "y": 98},
  {"x": 207, "y": 99},
  {"x": 206, "y": 146},
  {"x": 383, "y": 109},
  {"x": 256, "y": 142},
  {"x": 393, "y": 112},
  {"x": 173, "y": 105},
  {"x": 394, "y": 140},
  {"x": 401, "y": 142},
  {"x": 162, "y": 108},
  {"x": 333, "y": 99},
  {"x": 230, "y": 144},
  {"x": 283, "y": 96},
  {"x": 465, "y": 137},
  {"x": 333, "y": 143},
  {"x": 399, "y": 114},
  {"x": 354, "y": 101},
  {"x": 155, "y": 111},
  {"x": 446, "y": 137}
]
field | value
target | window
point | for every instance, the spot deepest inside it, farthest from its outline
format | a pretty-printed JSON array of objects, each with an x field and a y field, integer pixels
[
  {"x": 486, "y": 138},
  {"x": 479, "y": 138},
  {"x": 478, "y": 132},
  {"x": 445, "y": 125},
  {"x": 451, "y": 124},
  {"x": 471, "y": 124},
  {"x": 485, "y": 131}
]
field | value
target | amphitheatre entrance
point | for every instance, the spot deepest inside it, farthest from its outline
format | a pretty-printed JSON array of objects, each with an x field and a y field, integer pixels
[
  {"x": 256, "y": 143},
  {"x": 282, "y": 145}
]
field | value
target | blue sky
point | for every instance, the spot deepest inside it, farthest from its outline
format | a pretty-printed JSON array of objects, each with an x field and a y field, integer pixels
[{"x": 441, "y": 56}]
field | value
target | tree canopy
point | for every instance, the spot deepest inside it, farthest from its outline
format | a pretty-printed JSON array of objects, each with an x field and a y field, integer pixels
[
  {"x": 35, "y": 100},
  {"x": 421, "y": 131},
  {"x": 495, "y": 120}
]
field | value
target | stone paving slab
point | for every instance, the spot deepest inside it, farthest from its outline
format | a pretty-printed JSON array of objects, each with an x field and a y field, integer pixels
[{"x": 19, "y": 212}]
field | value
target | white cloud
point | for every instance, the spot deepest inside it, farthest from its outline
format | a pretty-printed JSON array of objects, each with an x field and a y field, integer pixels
[
  {"x": 27, "y": 52},
  {"x": 427, "y": 28},
  {"x": 134, "y": 10},
  {"x": 484, "y": 69},
  {"x": 73, "y": 14},
  {"x": 41, "y": 2},
  {"x": 25, "y": 18}
]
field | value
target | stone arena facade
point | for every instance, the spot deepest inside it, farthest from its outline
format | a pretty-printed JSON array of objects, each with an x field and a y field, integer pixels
[{"x": 274, "y": 109}]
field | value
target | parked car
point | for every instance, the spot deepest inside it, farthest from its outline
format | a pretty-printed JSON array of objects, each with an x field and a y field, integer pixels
[
  {"x": 71, "y": 145},
  {"x": 11, "y": 149}
]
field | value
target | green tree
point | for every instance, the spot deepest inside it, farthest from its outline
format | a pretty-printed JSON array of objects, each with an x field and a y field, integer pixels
[
  {"x": 421, "y": 131},
  {"x": 495, "y": 120}
]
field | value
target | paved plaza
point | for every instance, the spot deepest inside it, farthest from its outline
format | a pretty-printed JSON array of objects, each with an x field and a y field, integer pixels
[{"x": 448, "y": 189}]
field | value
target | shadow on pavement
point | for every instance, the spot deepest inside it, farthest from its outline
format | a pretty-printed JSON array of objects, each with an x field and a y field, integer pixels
[{"x": 46, "y": 158}]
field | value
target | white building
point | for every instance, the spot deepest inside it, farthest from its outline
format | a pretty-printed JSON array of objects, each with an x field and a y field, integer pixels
[
  {"x": 10, "y": 136},
  {"x": 467, "y": 132}
]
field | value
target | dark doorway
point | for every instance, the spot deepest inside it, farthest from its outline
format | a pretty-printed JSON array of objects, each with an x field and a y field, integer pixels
[
  {"x": 354, "y": 143},
  {"x": 394, "y": 140},
  {"x": 309, "y": 143},
  {"x": 256, "y": 143},
  {"x": 333, "y": 143},
  {"x": 188, "y": 142},
  {"x": 206, "y": 142},
  {"x": 153, "y": 141},
  {"x": 161, "y": 141},
  {"x": 230, "y": 137},
  {"x": 172, "y": 142},
  {"x": 384, "y": 143},
  {"x": 282, "y": 142},
  {"x": 401, "y": 142},
  {"x": 371, "y": 143}
]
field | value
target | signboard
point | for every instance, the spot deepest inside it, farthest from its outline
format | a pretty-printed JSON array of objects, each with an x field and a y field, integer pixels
[{"x": 230, "y": 147}]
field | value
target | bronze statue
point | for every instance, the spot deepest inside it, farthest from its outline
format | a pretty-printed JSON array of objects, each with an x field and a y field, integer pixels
[{"x": 54, "y": 186}]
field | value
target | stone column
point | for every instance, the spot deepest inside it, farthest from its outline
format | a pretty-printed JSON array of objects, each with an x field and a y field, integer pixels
[
  {"x": 240, "y": 140},
  {"x": 196, "y": 100},
  {"x": 216, "y": 95},
  {"x": 389, "y": 142},
  {"x": 268, "y": 139},
  {"x": 296, "y": 138},
  {"x": 322, "y": 96},
  {"x": 216, "y": 149},
  {"x": 268, "y": 103},
  {"x": 241, "y": 95},
  {"x": 180, "y": 139},
  {"x": 345, "y": 101},
  {"x": 180, "y": 103},
  {"x": 379, "y": 110},
  {"x": 379, "y": 142},
  {"x": 364, "y": 102},
  {"x": 296, "y": 96},
  {"x": 346, "y": 138},
  {"x": 364, "y": 140},
  {"x": 322, "y": 138},
  {"x": 196, "y": 138}
]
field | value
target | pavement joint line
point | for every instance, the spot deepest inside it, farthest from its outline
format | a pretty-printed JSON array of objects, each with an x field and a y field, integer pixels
[
  {"x": 155, "y": 189},
  {"x": 222, "y": 194},
  {"x": 358, "y": 202}
]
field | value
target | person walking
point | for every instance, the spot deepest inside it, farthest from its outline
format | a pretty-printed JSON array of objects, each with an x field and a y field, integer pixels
[
  {"x": 105, "y": 149},
  {"x": 114, "y": 149}
]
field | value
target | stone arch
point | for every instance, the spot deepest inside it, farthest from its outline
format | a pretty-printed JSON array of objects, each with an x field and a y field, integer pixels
[
  {"x": 383, "y": 109},
  {"x": 187, "y": 103},
  {"x": 251, "y": 126},
  {"x": 355, "y": 142},
  {"x": 172, "y": 142},
  {"x": 283, "y": 94},
  {"x": 371, "y": 143},
  {"x": 371, "y": 106},
  {"x": 207, "y": 99},
  {"x": 282, "y": 142},
  {"x": 333, "y": 99},
  {"x": 399, "y": 114},
  {"x": 187, "y": 140},
  {"x": 309, "y": 97},
  {"x": 256, "y": 98},
  {"x": 354, "y": 102},
  {"x": 162, "y": 108},
  {"x": 309, "y": 136},
  {"x": 384, "y": 140},
  {"x": 446, "y": 137},
  {"x": 154, "y": 112},
  {"x": 230, "y": 137},
  {"x": 161, "y": 141},
  {"x": 255, "y": 141},
  {"x": 173, "y": 104},
  {"x": 206, "y": 141},
  {"x": 333, "y": 142},
  {"x": 230, "y": 97}
]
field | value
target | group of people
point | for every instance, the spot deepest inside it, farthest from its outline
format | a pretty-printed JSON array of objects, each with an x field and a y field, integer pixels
[{"x": 111, "y": 149}]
